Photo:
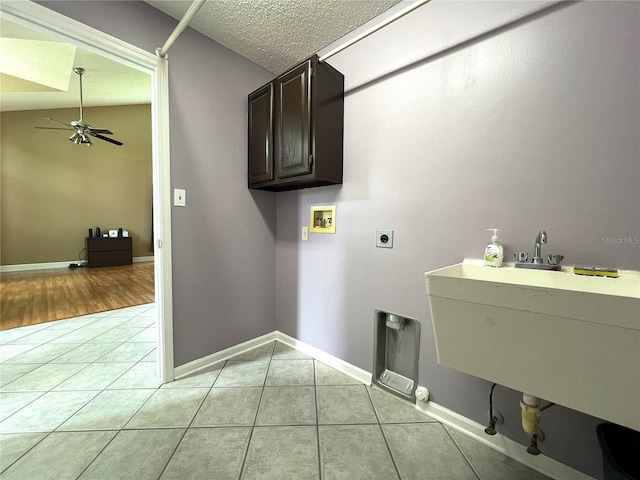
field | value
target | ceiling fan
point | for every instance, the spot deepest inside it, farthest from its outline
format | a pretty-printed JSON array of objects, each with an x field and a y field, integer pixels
[{"x": 83, "y": 130}]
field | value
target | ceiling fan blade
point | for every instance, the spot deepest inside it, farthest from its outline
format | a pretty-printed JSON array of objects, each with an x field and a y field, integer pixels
[
  {"x": 100, "y": 130},
  {"x": 81, "y": 128},
  {"x": 54, "y": 120},
  {"x": 106, "y": 139}
]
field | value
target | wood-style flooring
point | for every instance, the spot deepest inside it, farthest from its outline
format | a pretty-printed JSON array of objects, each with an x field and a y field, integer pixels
[{"x": 39, "y": 296}]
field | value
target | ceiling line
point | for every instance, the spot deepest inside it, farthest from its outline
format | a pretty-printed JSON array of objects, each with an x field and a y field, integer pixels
[{"x": 374, "y": 29}]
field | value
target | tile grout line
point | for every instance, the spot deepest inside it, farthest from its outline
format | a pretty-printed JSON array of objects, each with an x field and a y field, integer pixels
[
  {"x": 51, "y": 390},
  {"x": 51, "y": 361},
  {"x": 255, "y": 418},
  {"x": 184, "y": 434},
  {"x": 94, "y": 362},
  {"x": 3, "y": 469},
  {"x": 102, "y": 391},
  {"x": 99, "y": 453},
  {"x": 473, "y": 469},
  {"x": 26, "y": 405},
  {"x": 11, "y": 358},
  {"x": 315, "y": 392},
  {"x": 78, "y": 345},
  {"x": 384, "y": 437},
  {"x": 121, "y": 429},
  {"x": 47, "y": 434}
]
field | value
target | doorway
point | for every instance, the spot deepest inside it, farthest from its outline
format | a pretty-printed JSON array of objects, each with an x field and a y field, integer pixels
[{"x": 41, "y": 19}]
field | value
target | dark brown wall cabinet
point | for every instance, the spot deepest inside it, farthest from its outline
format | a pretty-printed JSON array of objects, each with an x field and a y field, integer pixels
[{"x": 295, "y": 129}]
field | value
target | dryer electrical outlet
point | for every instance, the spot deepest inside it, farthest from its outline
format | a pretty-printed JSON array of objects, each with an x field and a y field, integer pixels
[{"x": 384, "y": 238}]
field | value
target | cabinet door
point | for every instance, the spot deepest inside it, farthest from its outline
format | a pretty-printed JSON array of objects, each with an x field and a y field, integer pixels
[
  {"x": 293, "y": 122},
  {"x": 260, "y": 135}
]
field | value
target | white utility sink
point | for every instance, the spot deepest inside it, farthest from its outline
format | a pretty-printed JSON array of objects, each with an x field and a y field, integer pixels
[{"x": 573, "y": 340}]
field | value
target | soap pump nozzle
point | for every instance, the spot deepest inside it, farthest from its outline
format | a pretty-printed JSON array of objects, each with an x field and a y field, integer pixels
[{"x": 494, "y": 237}]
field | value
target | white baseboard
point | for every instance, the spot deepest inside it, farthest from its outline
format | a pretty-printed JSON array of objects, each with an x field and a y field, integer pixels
[
  {"x": 209, "y": 360},
  {"x": 541, "y": 463},
  {"x": 354, "y": 372},
  {"x": 36, "y": 266},
  {"x": 150, "y": 258},
  {"x": 48, "y": 265}
]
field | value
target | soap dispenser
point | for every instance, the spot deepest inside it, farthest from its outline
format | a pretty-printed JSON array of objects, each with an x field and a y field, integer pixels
[{"x": 494, "y": 253}]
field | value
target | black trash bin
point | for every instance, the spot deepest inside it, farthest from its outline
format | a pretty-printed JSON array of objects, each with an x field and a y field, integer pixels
[{"x": 620, "y": 447}]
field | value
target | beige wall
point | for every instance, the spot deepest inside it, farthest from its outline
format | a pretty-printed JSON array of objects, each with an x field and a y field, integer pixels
[{"x": 53, "y": 191}]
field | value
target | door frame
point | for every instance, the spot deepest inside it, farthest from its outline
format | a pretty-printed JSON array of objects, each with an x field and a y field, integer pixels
[{"x": 40, "y": 18}]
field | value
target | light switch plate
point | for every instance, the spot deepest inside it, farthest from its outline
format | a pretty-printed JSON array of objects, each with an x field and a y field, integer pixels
[
  {"x": 305, "y": 233},
  {"x": 384, "y": 238},
  {"x": 179, "y": 197}
]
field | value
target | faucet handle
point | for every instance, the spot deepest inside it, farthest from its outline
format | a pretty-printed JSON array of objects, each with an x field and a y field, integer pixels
[
  {"x": 554, "y": 259},
  {"x": 521, "y": 256}
]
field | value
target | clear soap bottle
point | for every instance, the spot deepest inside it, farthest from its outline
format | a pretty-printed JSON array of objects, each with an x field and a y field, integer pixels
[{"x": 493, "y": 253}]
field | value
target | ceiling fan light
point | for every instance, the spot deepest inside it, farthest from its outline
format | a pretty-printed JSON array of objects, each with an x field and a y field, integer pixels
[{"x": 80, "y": 139}]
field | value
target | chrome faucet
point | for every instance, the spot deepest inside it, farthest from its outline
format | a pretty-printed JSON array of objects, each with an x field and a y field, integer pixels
[
  {"x": 540, "y": 239},
  {"x": 537, "y": 263}
]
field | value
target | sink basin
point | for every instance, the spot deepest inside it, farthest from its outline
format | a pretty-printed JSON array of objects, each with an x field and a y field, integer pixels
[{"x": 570, "y": 339}]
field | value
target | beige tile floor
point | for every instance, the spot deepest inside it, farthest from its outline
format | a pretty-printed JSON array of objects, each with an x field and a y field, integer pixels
[{"x": 80, "y": 400}]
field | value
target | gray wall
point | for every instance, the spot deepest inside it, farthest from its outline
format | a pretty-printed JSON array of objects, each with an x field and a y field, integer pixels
[
  {"x": 224, "y": 239},
  {"x": 531, "y": 126}
]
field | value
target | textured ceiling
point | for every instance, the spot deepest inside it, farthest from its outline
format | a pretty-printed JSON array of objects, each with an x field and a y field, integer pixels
[{"x": 276, "y": 34}]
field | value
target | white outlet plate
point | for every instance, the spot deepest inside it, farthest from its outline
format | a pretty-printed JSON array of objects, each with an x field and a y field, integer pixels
[
  {"x": 384, "y": 238},
  {"x": 179, "y": 197},
  {"x": 305, "y": 233}
]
